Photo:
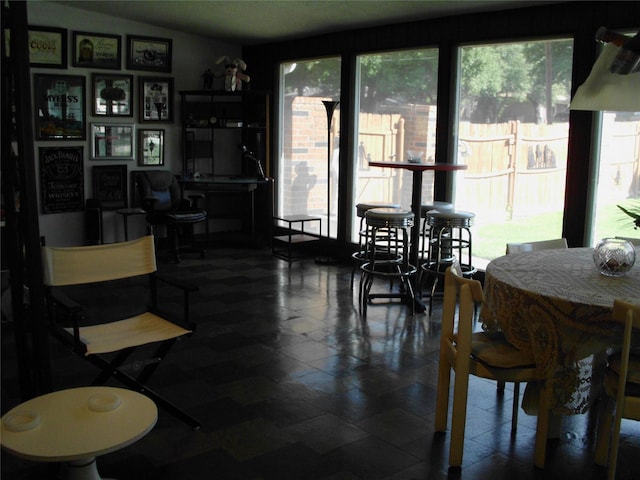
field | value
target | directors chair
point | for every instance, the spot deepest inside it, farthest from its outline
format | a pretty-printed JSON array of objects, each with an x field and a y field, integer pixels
[{"x": 83, "y": 319}]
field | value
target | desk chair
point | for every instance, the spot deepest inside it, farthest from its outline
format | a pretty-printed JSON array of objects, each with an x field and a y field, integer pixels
[
  {"x": 72, "y": 274},
  {"x": 480, "y": 354},
  {"x": 621, "y": 388},
  {"x": 160, "y": 196}
]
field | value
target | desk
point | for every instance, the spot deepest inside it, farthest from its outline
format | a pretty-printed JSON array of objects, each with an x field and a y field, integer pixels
[
  {"x": 416, "y": 200},
  {"x": 227, "y": 184},
  {"x": 71, "y": 430},
  {"x": 556, "y": 304}
]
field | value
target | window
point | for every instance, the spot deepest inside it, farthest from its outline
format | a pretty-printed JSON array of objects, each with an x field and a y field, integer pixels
[
  {"x": 308, "y": 166},
  {"x": 618, "y": 179},
  {"x": 512, "y": 132},
  {"x": 396, "y": 95}
]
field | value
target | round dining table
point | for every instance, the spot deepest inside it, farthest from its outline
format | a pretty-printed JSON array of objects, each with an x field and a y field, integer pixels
[{"x": 557, "y": 305}]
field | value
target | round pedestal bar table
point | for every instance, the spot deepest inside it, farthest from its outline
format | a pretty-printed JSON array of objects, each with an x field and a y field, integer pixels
[
  {"x": 416, "y": 202},
  {"x": 76, "y": 425}
]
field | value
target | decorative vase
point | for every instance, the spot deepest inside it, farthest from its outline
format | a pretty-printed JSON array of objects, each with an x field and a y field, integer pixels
[{"x": 614, "y": 256}]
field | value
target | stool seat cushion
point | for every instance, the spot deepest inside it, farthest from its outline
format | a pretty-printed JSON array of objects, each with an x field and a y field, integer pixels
[
  {"x": 454, "y": 214},
  {"x": 362, "y": 207},
  {"x": 446, "y": 206},
  {"x": 388, "y": 213}
]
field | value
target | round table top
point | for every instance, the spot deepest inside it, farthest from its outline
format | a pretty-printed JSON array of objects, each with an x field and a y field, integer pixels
[
  {"x": 420, "y": 166},
  {"x": 566, "y": 273},
  {"x": 77, "y": 423}
]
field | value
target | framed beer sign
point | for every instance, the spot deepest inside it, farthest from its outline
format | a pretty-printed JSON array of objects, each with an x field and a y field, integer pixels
[
  {"x": 96, "y": 50},
  {"x": 47, "y": 47},
  {"x": 60, "y": 107}
]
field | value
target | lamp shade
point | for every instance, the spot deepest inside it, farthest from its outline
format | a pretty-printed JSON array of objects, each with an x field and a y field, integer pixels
[{"x": 604, "y": 90}]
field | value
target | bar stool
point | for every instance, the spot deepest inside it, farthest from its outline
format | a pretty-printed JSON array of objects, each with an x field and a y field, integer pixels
[
  {"x": 449, "y": 239},
  {"x": 390, "y": 263},
  {"x": 425, "y": 227},
  {"x": 359, "y": 256}
]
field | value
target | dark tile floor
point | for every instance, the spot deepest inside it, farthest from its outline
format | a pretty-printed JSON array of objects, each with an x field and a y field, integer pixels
[{"x": 290, "y": 383}]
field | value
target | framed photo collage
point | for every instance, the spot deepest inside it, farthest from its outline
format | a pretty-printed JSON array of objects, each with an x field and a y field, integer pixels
[{"x": 62, "y": 101}]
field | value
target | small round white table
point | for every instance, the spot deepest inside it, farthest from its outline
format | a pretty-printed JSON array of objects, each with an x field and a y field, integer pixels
[{"x": 77, "y": 425}]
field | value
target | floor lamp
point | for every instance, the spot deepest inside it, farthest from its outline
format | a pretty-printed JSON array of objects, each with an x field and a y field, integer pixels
[{"x": 330, "y": 106}]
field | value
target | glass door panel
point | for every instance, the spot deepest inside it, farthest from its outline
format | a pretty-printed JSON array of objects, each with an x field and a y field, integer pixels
[{"x": 512, "y": 132}]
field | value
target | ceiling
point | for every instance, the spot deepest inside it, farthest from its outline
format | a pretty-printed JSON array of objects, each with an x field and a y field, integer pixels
[{"x": 248, "y": 22}]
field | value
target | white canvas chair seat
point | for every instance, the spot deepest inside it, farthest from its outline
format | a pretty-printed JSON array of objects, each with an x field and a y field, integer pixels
[
  {"x": 131, "y": 332},
  {"x": 108, "y": 344},
  {"x": 621, "y": 388}
]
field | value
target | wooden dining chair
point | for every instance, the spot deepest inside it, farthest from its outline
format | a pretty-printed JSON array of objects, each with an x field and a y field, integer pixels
[
  {"x": 539, "y": 245},
  {"x": 621, "y": 388},
  {"x": 476, "y": 353}
]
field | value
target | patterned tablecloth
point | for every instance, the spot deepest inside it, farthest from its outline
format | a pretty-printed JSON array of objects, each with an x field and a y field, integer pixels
[{"x": 556, "y": 304}]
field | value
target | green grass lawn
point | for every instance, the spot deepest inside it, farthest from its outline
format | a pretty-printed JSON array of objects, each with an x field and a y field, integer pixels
[{"x": 489, "y": 241}]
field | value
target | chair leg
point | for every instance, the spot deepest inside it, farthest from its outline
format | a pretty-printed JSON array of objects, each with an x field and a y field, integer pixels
[
  {"x": 442, "y": 399},
  {"x": 615, "y": 442},
  {"x": 604, "y": 433},
  {"x": 459, "y": 416},
  {"x": 516, "y": 403},
  {"x": 134, "y": 384},
  {"x": 542, "y": 429}
]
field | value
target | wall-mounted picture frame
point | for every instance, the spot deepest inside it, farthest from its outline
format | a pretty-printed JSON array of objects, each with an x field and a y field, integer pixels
[
  {"x": 47, "y": 47},
  {"x": 112, "y": 95},
  {"x": 149, "y": 53},
  {"x": 110, "y": 186},
  {"x": 59, "y": 104},
  {"x": 156, "y": 99},
  {"x": 97, "y": 50},
  {"x": 112, "y": 141},
  {"x": 62, "y": 179},
  {"x": 150, "y": 147}
]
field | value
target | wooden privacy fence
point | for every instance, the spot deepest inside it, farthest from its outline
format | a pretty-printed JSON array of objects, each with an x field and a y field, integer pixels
[{"x": 514, "y": 169}]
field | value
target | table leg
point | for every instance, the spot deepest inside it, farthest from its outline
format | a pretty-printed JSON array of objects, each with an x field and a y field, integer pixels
[
  {"x": 85, "y": 469},
  {"x": 126, "y": 227},
  {"x": 416, "y": 206}
]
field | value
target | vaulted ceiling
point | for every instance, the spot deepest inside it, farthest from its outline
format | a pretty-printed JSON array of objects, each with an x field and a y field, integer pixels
[{"x": 250, "y": 22}]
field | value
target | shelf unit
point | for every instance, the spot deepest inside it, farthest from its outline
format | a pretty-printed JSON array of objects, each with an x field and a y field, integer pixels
[
  {"x": 215, "y": 127},
  {"x": 283, "y": 245}
]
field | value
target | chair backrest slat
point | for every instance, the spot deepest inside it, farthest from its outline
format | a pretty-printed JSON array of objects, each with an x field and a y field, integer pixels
[
  {"x": 541, "y": 245},
  {"x": 98, "y": 263}
]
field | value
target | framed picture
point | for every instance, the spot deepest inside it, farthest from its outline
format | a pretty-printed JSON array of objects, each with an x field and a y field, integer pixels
[
  {"x": 156, "y": 99},
  {"x": 110, "y": 186},
  {"x": 62, "y": 179},
  {"x": 59, "y": 103},
  {"x": 97, "y": 50},
  {"x": 111, "y": 141},
  {"x": 112, "y": 95},
  {"x": 150, "y": 147},
  {"x": 149, "y": 53},
  {"x": 47, "y": 47}
]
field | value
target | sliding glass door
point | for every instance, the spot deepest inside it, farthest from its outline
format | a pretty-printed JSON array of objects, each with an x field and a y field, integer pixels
[
  {"x": 396, "y": 114},
  {"x": 308, "y": 165},
  {"x": 512, "y": 133}
]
